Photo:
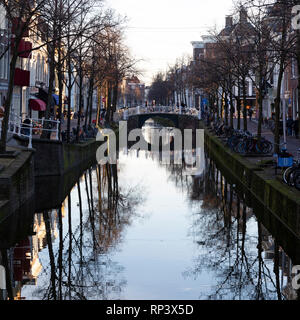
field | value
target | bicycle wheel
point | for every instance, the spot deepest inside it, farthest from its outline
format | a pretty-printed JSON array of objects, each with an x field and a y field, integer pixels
[
  {"x": 296, "y": 179},
  {"x": 241, "y": 147},
  {"x": 288, "y": 176},
  {"x": 270, "y": 145},
  {"x": 264, "y": 147}
]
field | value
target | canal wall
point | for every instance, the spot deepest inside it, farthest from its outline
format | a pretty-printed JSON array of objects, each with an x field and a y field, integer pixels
[
  {"x": 54, "y": 158},
  {"x": 271, "y": 196},
  {"x": 51, "y": 191},
  {"x": 52, "y": 167},
  {"x": 16, "y": 182}
]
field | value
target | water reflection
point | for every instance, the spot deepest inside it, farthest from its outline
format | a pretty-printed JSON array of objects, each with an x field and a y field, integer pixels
[
  {"x": 146, "y": 229},
  {"x": 246, "y": 260}
]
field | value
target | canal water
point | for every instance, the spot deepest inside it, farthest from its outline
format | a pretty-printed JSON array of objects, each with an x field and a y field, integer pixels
[{"x": 146, "y": 230}]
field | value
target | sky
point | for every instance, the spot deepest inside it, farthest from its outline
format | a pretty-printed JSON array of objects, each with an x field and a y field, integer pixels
[{"x": 160, "y": 31}]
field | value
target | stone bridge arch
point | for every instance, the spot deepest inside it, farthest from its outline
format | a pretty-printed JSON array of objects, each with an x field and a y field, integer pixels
[{"x": 180, "y": 121}]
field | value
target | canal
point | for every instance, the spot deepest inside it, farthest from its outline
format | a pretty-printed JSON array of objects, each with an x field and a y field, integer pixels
[{"x": 146, "y": 230}]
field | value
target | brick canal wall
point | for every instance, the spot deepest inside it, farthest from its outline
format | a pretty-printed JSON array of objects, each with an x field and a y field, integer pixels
[{"x": 277, "y": 206}]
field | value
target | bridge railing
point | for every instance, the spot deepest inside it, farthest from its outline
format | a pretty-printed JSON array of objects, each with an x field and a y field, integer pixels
[
  {"x": 124, "y": 114},
  {"x": 30, "y": 128}
]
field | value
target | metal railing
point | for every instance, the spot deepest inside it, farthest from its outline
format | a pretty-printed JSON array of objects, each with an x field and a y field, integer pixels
[
  {"x": 125, "y": 113},
  {"x": 30, "y": 128}
]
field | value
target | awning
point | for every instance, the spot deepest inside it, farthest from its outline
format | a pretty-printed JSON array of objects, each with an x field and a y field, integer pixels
[
  {"x": 22, "y": 78},
  {"x": 37, "y": 105}
]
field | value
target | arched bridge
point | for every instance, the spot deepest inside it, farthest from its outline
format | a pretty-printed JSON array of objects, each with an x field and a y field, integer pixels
[{"x": 166, "y": 116}]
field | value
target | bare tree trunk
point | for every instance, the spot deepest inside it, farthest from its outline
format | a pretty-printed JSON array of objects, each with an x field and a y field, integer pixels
[
  {"x": 69, "y": 99},
  {"x": 60, "y": 88},
  {"x": 260, "y": 113},
  {"x": 91, "y": 99},
  {"x": 226, "y": 108},
  {"x": 7, "y": 104},
  {"x": 231, "y": 109},
  {"x": 108, "y": 110},
  {"x": 239, "y": 107},
  {"x": 45, "y": 134},
  {"x": 244, "y": 104},
  {"x": 277, "y": 109},
  {"x": 276, "y": 270},
  {"x": 115, "y": 98},
  {"x": 51, "y": 254},
  {"x": 80, "y": 101}
]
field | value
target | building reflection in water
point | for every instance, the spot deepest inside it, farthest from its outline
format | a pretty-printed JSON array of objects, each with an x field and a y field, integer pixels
[
  {"x": 67, "y": 257},
  {"x": 68, "y": 253}
]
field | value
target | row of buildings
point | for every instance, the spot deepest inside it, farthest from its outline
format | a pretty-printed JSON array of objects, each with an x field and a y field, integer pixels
[
  {"x": 31, "y": 80},
  {"x": 132, "y": 92},
  {"x": 289, "y": 89}
]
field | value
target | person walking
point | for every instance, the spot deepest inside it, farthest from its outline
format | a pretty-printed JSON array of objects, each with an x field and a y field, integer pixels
[
  {"x": 289, "y": 125},
  {"x": 250, "y": 113}
]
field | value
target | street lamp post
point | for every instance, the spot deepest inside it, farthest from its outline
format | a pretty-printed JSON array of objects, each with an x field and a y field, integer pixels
[{"x": 286, "y": 97}]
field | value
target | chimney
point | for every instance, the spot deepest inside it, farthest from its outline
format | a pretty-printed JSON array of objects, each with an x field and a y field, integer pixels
[{"x": 228, "y": 21}]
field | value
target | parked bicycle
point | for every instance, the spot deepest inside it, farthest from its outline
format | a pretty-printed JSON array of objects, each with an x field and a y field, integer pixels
[
  {"x": 291, "y": 175},
  {"x": 246, "y": 143}
]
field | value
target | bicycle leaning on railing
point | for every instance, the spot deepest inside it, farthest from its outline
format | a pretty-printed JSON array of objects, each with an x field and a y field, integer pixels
[{"x": 291, "y": 176}]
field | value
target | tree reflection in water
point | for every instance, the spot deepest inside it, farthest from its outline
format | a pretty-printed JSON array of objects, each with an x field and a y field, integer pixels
[
  {"x": 246, "y": 260},
  {"x": 80, "y": 266},
  {"x": 73, "y": 248}
]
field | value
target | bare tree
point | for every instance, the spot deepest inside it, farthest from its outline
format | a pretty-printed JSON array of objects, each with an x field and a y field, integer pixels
[{"x": 22, "y": 15}]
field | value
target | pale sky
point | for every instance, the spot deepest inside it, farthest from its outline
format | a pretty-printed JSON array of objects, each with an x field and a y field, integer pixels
[{"x": 161, "y": 31}]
